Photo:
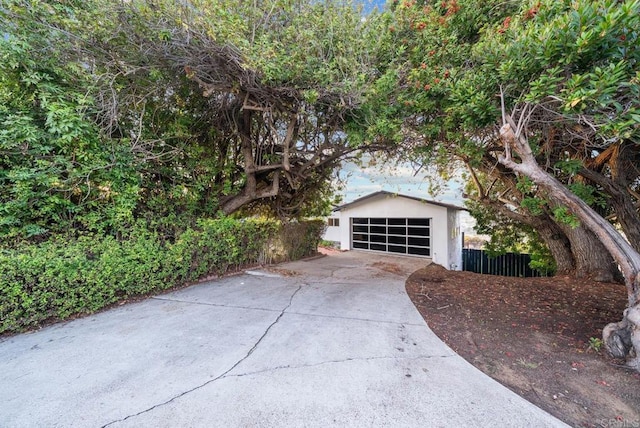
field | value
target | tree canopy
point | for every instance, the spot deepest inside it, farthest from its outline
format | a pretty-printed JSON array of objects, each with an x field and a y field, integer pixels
[
  {"x": 179, "y": 109},
  {"x": 575, "y": 61},
  {"x": 562, "y": 76}
]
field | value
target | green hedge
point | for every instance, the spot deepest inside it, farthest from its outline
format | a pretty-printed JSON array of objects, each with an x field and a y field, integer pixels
[
  {"x": 60, "y": 278},
  {"x": 301, "y": 239}
]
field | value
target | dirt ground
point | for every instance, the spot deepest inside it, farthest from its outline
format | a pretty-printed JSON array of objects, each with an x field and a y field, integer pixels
[{"x": 537, "y": 336}]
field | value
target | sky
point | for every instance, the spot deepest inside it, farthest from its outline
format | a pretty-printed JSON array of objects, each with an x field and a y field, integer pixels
[
  {"x": 370, "y": 4},
  {"x": 360, "y": 180}
]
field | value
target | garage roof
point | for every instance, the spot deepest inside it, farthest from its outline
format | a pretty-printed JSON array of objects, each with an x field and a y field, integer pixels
[{"x": 394, "y": 195}]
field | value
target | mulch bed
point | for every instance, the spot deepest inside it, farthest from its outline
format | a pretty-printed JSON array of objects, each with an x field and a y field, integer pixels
[{"x": 538, "y": 337}]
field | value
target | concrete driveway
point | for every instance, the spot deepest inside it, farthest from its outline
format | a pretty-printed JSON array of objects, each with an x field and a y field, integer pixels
[{"x": 333, "y": 341}]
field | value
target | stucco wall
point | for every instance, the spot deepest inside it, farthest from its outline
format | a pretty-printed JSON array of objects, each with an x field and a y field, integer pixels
[
  {"x": 455, "y": 240},
  {"x": 332, "y": 233}
]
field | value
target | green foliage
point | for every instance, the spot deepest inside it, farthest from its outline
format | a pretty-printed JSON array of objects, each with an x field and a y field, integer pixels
[
  {"x": 430, "y": 97},
  {"x": 315, "y": 44},
  {"x": 56, "y": 173},
  {"x": 588, "y": 194},
  {"x": 59, "y": 278},
  {"x": 106, "y": 122},
  {"x": 509, "y": 236},
  {"x": 595, "y": 344},
  {"x": 535, "y": 206},
  {"x": 563, "y": 215},
  {"x": 115, "y": 155},
  {"x": 302, "y": 239},
  {"x": 570, "y": 166},
  {"x": 541, "y": 258},
  {"x": 583, "y": 53},
  {"x": 574, "y": 63}
]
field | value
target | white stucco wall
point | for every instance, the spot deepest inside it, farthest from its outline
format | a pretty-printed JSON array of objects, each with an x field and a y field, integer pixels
[
  {"x": 332, "y": 233},
  {"x": 455, "y": 240}
]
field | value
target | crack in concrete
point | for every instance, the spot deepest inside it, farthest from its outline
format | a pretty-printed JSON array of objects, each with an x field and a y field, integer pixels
[
  {"x": 218, "y": 305},
  {"x": 357, "y": 319},
  {"x": 191, "y": 302},
  {"x": 223, "y": 375},
  {"x": 417, "y": 324},
  {"x": 345, "y": 360}
]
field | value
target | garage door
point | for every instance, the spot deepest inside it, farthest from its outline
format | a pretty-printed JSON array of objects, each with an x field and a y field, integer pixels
[{"x": 392, "y": 235}]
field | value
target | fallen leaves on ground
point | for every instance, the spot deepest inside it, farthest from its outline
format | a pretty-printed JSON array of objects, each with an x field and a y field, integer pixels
[{"x": 536, "y": 336}]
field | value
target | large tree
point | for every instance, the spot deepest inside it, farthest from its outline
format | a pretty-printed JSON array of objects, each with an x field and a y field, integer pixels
[
  {"x": 271, "y": 86},
  {"x": 442, "y": 93},
  {"x": 568, "y": 72},
  {"x": 590, "y": 83},
  {"x": 222, "y": 105}
]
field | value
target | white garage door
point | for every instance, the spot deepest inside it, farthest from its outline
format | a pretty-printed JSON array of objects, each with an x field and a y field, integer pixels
[{"x": 392, "y": 235}]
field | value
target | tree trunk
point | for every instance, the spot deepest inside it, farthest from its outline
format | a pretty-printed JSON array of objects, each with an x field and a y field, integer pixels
[
  {"x": 627, "y": 215},
  {"x": 622, "y": 339},
  {"x": 256, "y": 187},
  {"x": 558, "y": 244},
  {"x": 550, "y": 233},
  {"x": 592, "y": 260},
  {"x": 547, "y": 229},
  {"x": 622, "y": 203},
  {"x": 250, "y": 194}
]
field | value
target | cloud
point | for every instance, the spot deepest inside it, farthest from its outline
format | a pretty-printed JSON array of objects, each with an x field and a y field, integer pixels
[{"x": 360, "y": 180}]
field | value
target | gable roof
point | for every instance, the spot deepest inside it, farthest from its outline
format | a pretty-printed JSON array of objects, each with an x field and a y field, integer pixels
[{"x": 395, "y": 195}]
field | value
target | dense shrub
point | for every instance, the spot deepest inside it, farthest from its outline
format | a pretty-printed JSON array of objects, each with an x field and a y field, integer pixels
[
  {"x": 293, "y": 241},
  {"x": 302, "y": 239},
  {"x": 60, "y": 278}
]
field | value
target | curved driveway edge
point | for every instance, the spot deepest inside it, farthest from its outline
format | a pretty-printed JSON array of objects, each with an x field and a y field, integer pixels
[{"x": 333, "y": 341}]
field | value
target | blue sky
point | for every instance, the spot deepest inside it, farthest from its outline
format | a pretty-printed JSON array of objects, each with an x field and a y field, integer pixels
[
  {"x": 361, "y": 180},
  {"x": 370, "y": 4}
]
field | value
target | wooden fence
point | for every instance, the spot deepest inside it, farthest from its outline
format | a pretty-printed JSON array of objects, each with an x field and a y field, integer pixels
[{"x": 509, "y": 264}]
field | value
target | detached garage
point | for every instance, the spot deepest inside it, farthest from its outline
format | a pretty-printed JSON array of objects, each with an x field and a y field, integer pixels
[{"x": 399, "y": 225}]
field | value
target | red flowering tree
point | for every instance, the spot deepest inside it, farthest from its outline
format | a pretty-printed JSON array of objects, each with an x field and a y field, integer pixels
[{"x": 567, "y": 72}]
